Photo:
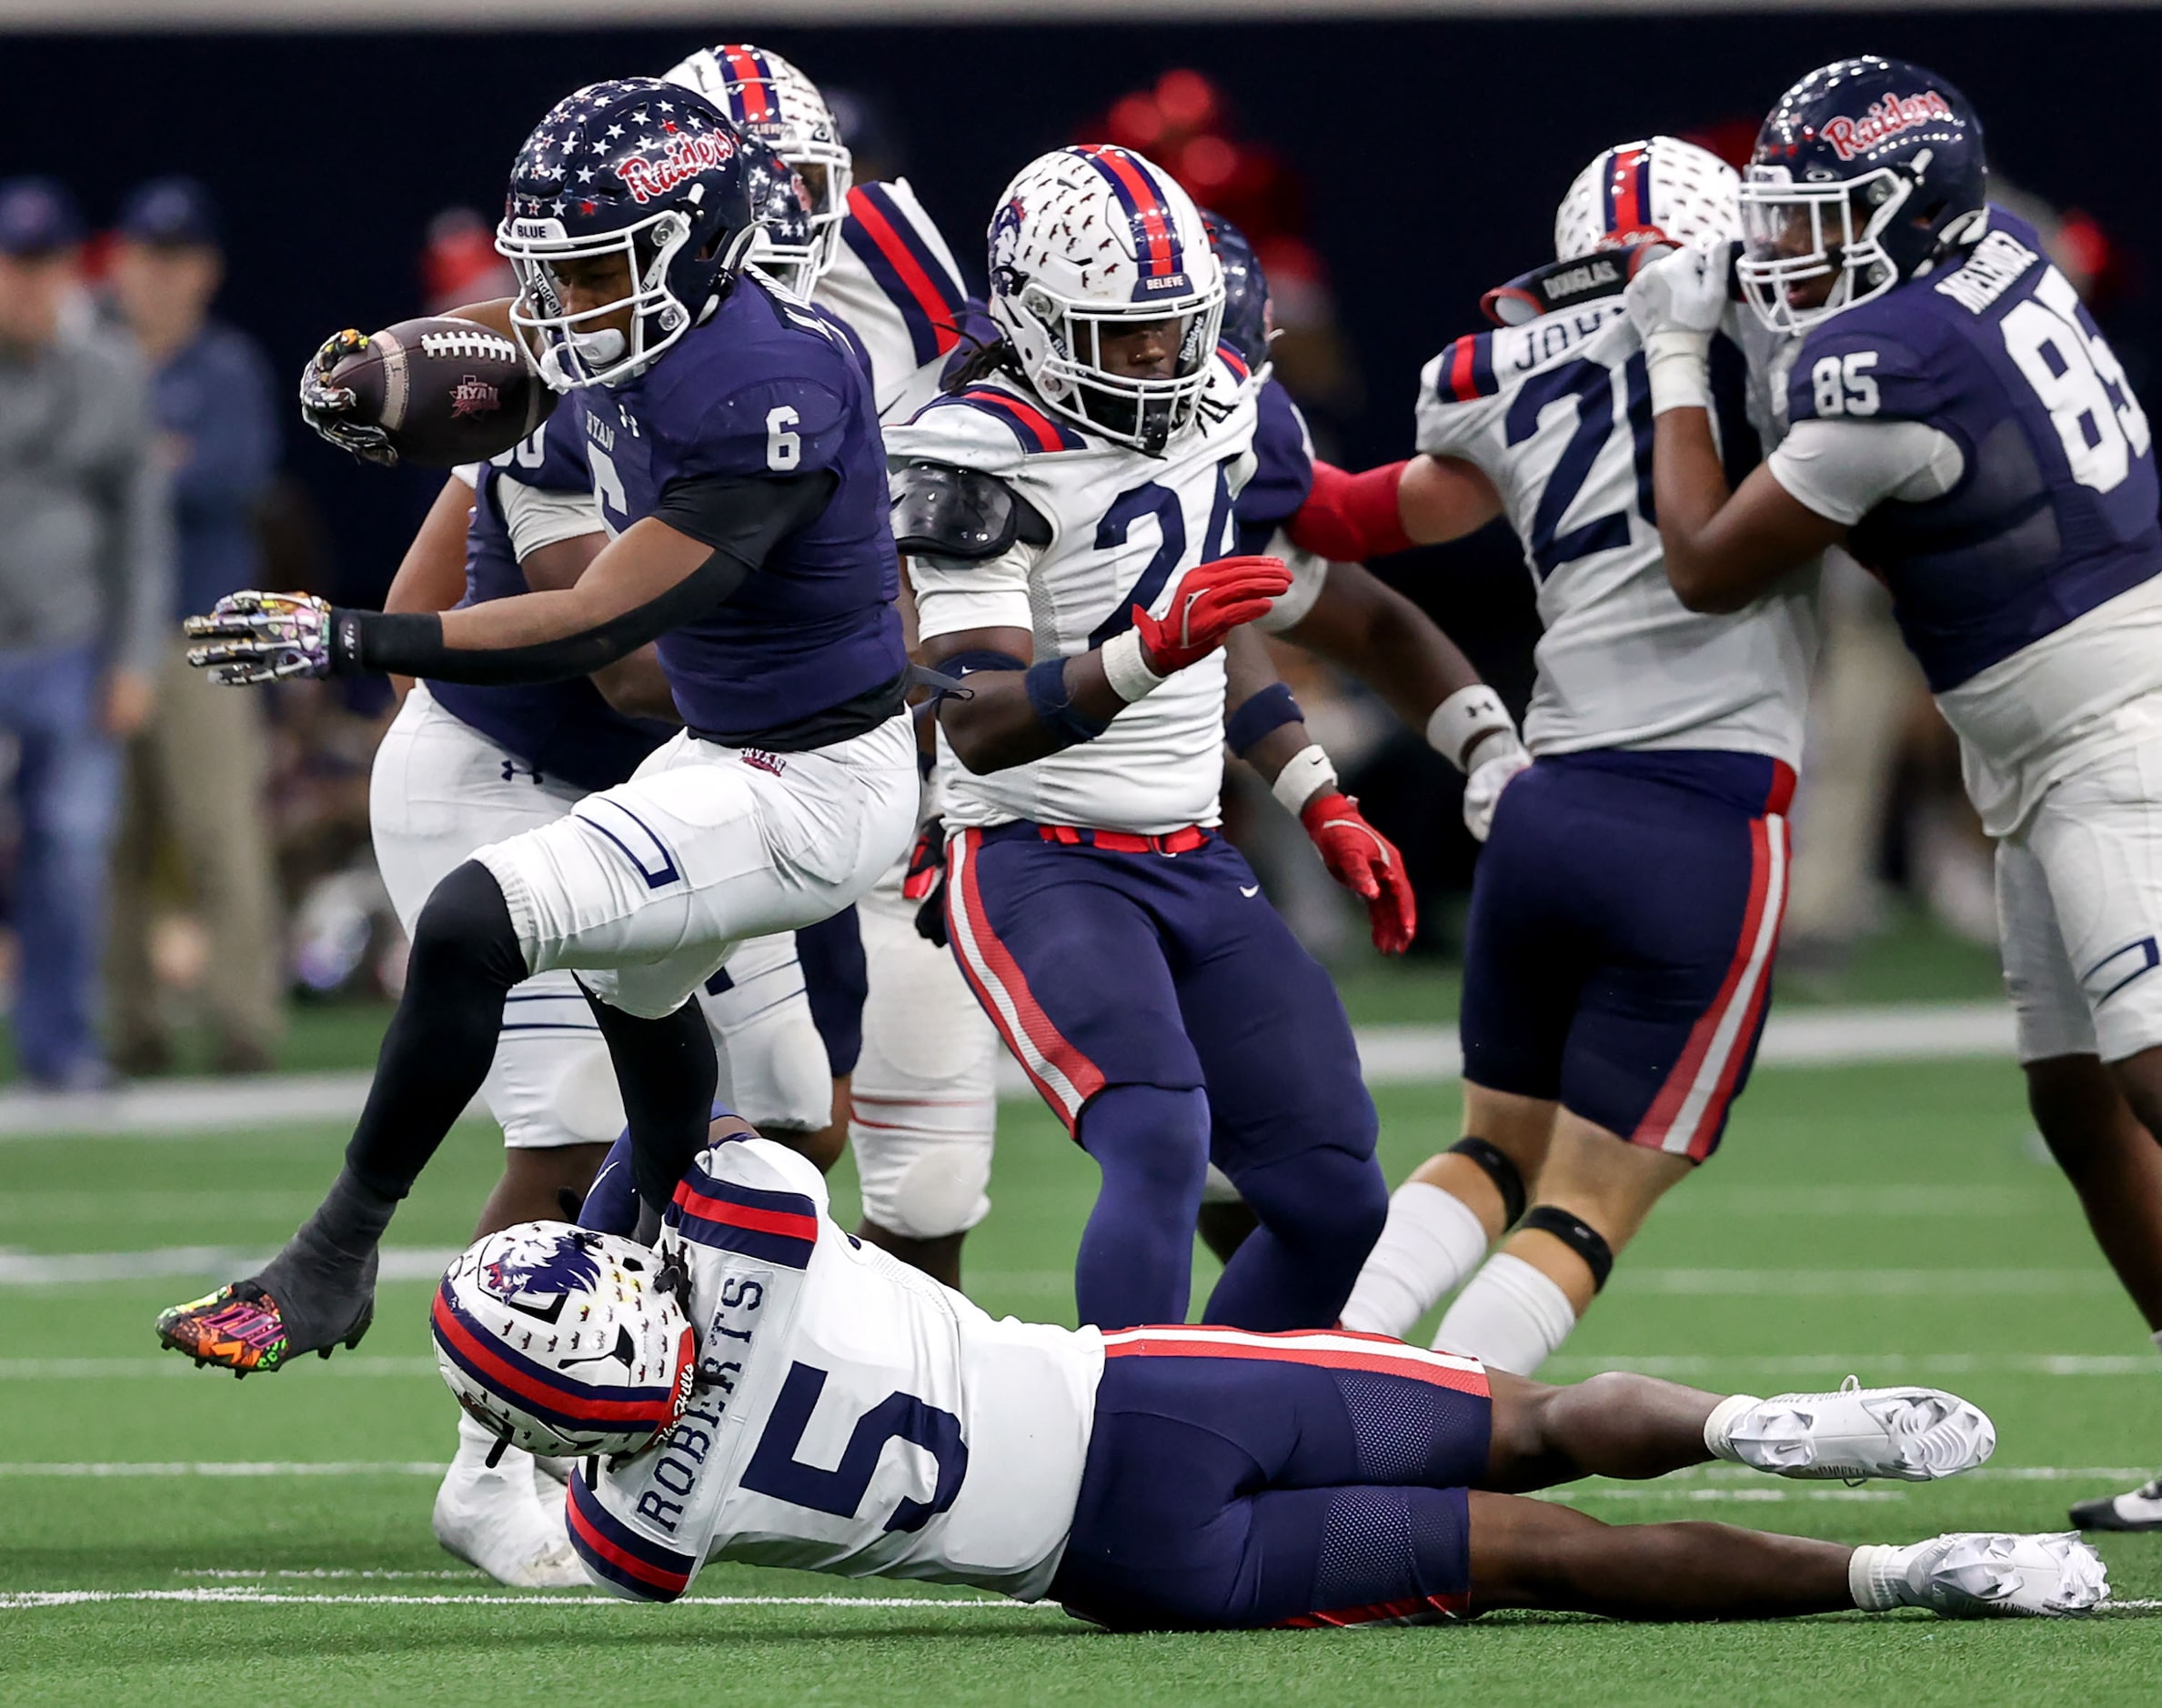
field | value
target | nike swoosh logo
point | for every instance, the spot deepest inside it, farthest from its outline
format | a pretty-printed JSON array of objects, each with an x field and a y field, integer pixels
[{"x": 1245, "y": 891}]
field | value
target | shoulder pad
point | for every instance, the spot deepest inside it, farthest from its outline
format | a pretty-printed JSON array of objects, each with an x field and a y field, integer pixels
[
  {"x": 1464, "y": 373},
  {"x": 1860, "y": 367},
  {"x": 941, "y": 511}
]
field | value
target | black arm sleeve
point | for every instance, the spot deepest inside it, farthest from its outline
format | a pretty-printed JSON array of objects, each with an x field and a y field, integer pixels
[{"x": 741, "y": 518}]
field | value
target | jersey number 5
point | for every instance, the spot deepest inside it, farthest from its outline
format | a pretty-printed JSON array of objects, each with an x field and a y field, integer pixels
[
  {"x": 774, "y": 1468},
  {"x": 2075, "y": 375}
]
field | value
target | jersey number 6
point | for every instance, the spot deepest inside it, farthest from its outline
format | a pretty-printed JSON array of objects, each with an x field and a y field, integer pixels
[{"x": 774, "y": 1468}]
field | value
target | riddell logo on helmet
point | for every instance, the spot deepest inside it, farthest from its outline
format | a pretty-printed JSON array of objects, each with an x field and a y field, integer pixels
[
  {"x": 686, "y": 158},
  {"x": 1887, "y": 117}
]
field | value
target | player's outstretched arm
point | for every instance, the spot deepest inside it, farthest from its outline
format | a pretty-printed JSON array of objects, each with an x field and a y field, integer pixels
[
  {"x": 635, "y": 685},
  {"x": 1348, "y": 517},
  {"x": 659, "y": 575},
  {"x": 1015, "y": 711},
  {"x": 1724, "y": 549},
  {"x": 1263, "y": 726}
]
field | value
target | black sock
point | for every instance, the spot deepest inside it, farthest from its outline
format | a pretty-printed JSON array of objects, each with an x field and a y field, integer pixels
[
  {"x": 668, "y": 1074},
  {"x": 437, "y": 1050}
]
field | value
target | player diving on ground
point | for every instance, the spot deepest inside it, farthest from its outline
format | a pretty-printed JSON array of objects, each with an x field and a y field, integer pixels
[{"x": 762, "y": 1388}]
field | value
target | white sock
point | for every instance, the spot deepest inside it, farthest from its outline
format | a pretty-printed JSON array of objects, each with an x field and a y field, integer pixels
[
  {"x": 1431, "y": 1243},
  {"x": 1718, "y": 1441},
  {"x": 1510, "y": 1316},
  {"x": 475, "y": 1444},
  {"x": 1876, "y": 1580}
]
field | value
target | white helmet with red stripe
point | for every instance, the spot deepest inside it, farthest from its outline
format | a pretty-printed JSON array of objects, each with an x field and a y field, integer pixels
[
  {"x": 1094, "y": 240},
  {"x": 769, "y": 98},
  {"x": 1660, "y": 189},
  {"x": 564, "y": 1342}
]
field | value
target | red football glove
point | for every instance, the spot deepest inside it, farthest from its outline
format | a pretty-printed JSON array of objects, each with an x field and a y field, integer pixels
[
  {"x": 1366, "y": 863},
  {"x": 1347, "y": 518},
  {"x": 1213, "y": 600}
]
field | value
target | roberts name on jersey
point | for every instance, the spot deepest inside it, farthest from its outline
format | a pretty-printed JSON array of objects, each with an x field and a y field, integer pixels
[
  {"x": 851, "y": 1415},
  {"x": 1125, "y": 531},
  {"x": 1558, "y": 413}
]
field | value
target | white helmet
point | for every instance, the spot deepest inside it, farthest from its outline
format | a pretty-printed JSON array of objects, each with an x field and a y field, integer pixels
[
  {"x": 1092, "y": 237},
  {"x": 564, "y": 1341},
  {"x": 770, "y": 99},
  {"x": 1660, "y": 189}
]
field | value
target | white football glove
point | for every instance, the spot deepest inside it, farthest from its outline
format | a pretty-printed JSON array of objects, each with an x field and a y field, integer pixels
[
  {"x": 1505, "y": 757},
  {"x": 1677, "y": 302}
]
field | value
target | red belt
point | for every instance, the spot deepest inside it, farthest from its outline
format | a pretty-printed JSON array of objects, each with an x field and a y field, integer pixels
[{"x": 1183, "y": 840}]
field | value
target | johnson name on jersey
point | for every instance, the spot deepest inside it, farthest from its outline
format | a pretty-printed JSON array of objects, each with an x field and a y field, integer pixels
[
  {"x": 1124, "y": 529},
  {"x": 2024, "y": 561},
  {"x": 851, "y": 1415},
  {"x": 1558, "y": 413},
  {"x": 895, "y": 285}
]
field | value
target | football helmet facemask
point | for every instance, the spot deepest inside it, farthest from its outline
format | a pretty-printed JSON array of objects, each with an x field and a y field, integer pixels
[
  {"x": 564, "y": 1341},
  {"x": 1869, "y": 172},
  {"x": 634, "y": 168},
  {"x": 1248, "y": 326},
  {"x": 768, "y": 98},
  {"x": 1092, "y": 241}
]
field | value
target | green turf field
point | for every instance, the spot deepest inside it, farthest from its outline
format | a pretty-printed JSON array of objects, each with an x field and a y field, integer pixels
[{"x": 1887, "y": 1220}]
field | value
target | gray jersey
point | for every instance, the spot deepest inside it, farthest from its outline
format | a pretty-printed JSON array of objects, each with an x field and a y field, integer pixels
[{"x": 1558, "y": 413}]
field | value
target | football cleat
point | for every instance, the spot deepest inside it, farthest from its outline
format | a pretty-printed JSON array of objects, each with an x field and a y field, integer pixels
[
  {"x": 241, "y": 1329},
  {"x": 1915, "y": 1434},
  {"x": 2140, "y": 1510},
  {"x": 1973, "y": 1574}
]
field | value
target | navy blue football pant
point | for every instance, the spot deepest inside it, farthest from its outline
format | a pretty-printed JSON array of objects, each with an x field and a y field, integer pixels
[
  {"x": 1170, "y": 1019},
  {"x": 1239, "y": 1480}
]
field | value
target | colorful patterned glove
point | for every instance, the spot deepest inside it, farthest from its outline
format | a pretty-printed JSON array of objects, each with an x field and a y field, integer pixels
[
  {"x": 264, "y": 638},
  {"x": 328, "y": 408}
]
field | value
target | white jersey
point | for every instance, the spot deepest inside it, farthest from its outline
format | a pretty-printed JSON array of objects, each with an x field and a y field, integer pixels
[
  {"x": 851, "y": 1415},
  {"x": 1125, "y": 530},
  {"x": 894, "y": 284},
  {"x": 1558, "y": 413}
]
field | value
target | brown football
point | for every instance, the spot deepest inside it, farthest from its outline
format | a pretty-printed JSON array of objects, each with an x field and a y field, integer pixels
[{"x": 446, "y": 391}]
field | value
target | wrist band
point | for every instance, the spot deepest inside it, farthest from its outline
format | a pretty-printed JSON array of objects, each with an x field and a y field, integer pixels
[
  {"x": 1464, "y": 718},
  {"x": 1126, "y": 666},
  {"x": 1046, "y": 683},
  {"x": 1304, "y": 775},
  {"x": 1679, "y": 366},
  {"x": 1259, "y": 715}
]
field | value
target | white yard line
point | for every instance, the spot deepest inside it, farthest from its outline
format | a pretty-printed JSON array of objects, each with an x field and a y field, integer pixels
[
  {"x": 229, "y": 1468},
  {"x": 350, "y": 1366},
  {"x": 18, "y": 1601},
  {"x": 211, "y": 1263},
  {"x": 1872, "y": 1366},
  {"x": 1391, "y": 1055}
]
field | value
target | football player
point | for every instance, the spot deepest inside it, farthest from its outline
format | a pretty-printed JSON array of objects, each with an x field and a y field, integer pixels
[
  {"x": 763, "y": 1388},
  {"x": 1067, "y": 507},
  {"x": 914, "y": 1055},
  {"x": 1960, "y": 425},
  {"x": 1618, "y": 959},
  {"x": 733, "y": 437}
]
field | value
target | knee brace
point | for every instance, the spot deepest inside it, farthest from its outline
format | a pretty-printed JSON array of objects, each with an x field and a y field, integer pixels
[
  {"x": 1507, "y": 1178},
  {"x": 1578, "y": 1235}
]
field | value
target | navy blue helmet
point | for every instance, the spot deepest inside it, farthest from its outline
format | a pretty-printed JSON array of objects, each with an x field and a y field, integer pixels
[
  {"x": 638, "y": 168},
  {"x": 1245, "y": 291},
  {"x": 1868, "y": 173}
]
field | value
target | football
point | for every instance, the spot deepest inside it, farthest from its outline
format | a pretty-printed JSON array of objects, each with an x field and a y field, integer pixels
[{"x": 446, "y": 391}]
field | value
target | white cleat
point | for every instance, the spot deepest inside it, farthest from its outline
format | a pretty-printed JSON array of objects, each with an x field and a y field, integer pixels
[
  {"x": 1973, "y": 1575},
  {"x": 2141, "y": 1510},
  {"x": 1915, "y": 1434},
  {"x": 495, "y": 1519}
]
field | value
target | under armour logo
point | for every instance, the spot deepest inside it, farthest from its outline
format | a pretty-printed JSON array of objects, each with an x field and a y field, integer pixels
[{"x": 511, "y": 768}]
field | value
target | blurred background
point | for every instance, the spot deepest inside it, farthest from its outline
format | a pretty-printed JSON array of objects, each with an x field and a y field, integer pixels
[{"x": 194, "y": 194}]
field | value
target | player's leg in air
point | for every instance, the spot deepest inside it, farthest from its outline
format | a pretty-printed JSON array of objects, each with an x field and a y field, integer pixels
[
  {"x": 1336, "y": 1480},
  {"x": 742, "y": 826}
]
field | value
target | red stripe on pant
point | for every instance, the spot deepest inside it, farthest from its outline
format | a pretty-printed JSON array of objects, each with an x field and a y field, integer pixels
[
  {"x": 1325, "y": 1348},
  {"x": 1037, "y": 1039},
  {"x": 1666, "y": 1107}
]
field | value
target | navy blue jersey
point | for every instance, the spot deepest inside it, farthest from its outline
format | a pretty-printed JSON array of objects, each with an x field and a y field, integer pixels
[
  {"x": 2055, "y": 512},
  {"x": 764, "y": 388},
  {"x": 1284, "y": 468},
  {"x": 562, "y": 729}
]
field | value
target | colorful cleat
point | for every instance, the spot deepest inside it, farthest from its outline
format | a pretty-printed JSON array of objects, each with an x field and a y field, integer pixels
[{"x": 239, "y": 1327}]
